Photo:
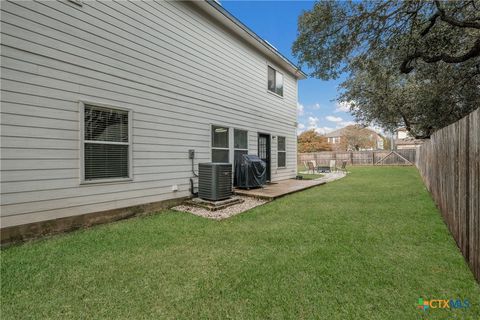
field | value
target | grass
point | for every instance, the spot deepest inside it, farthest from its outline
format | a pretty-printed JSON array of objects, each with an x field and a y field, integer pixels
[{"x": 364, "y": 247}]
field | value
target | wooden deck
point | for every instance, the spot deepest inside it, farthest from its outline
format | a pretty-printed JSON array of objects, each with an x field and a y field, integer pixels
[{"x": 279, "y": 189}]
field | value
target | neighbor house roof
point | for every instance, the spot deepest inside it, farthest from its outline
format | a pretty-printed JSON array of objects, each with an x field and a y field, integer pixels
[
  {"x": 339, "y": 132},
  {"x": 336, "y": 133},
  {"x": 214, "y": 9}
]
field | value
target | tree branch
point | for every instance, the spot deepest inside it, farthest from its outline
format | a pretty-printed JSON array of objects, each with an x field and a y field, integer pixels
[
  {"x": 406, "y": 68},
  {"x": 454, "y": 22},
  {"x": 432, "y": 20}
]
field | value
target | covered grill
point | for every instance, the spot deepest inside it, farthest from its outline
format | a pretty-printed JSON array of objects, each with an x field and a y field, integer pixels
[{"x": 250, "y": 171}]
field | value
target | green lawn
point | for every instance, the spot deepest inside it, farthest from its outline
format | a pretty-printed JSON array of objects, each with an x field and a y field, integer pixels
[{"x": 364, "y": 247}]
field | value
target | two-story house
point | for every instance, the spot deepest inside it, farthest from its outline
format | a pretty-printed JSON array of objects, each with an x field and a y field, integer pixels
[
  {"x": 355, "y": 137},
  {"x": 404, "y": 140},
  {"x": 103, "y": 101}
]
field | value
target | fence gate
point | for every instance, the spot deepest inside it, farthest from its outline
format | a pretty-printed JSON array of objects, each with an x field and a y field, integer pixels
[{"x": 393, "y": 157}]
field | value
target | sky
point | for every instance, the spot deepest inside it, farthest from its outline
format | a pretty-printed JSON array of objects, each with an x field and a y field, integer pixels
[{"x": 276, "y": 22}]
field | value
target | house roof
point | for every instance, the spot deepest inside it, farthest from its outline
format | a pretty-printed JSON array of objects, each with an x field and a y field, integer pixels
[
  {"x": 335, "y": 133},
  {"x": 339, "y": 132},
  {"x": 214, "y": 9}
]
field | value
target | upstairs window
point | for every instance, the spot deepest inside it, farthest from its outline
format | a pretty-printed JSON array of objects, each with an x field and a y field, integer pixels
[
  {"x": 220, "y": 144},
  {"x": 275, "y": 81},
  {"x": 282, "y": 152},
  {"x": 106, "y": 145}
]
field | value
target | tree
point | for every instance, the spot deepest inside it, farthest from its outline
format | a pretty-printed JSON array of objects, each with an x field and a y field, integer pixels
[
  {"x": 387, "y": 145},
  {"x": 356, "y": 137},
  {"x": 428, "y": 99},
  {"x": 311, "y": 141},
  {"x": 410, "y": 63}
]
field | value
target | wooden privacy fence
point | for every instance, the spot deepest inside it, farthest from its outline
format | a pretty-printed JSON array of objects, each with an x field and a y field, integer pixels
[
  {"x": 377, "y": 157},
  {"x": 450, "y": 167}
]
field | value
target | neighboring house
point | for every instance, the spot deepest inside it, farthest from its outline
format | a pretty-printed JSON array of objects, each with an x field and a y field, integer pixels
[
  {"x": 102, "y": 101},
  {"x": 401, "y": 133},
  {"x": 403, "y": 140},
  {"x": 342, "y": 139}
]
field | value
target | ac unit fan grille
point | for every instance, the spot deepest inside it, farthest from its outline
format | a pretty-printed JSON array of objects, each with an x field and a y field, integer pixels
[{"x": 214, "y": 181}]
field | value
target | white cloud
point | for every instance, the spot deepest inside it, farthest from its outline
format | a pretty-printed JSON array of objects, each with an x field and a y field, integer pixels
[
  {"x": 312, "y": 122},
  {"x": 300, "y": 109},
  {"x": 333, "y": 119},
  {"x": 300, "y": 128},
  {"x": 343, "y": 106},
  {"x": 304, "y": 110},
  {"x": 323, "y": 130},
  {"x": 378, "y": 130},
  {"x": 346, "y": 123}
]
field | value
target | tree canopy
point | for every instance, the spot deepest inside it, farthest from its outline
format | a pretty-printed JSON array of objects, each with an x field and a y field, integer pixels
[
  {"x": 409, "y": 63},
  {"x": 311, "y": 141},
  {"x": 356, "y": 137}
]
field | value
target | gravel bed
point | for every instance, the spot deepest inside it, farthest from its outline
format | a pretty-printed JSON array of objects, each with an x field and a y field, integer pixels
[{"x": 247, "y": 204}]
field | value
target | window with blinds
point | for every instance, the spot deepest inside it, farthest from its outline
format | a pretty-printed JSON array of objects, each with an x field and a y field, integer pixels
[
  {"x": 282, "y": 152},
  {"x": 106, "y": 143}
]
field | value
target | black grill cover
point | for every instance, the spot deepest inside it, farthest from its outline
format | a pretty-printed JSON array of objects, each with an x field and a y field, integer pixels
[{"x": 250, "y": 171}]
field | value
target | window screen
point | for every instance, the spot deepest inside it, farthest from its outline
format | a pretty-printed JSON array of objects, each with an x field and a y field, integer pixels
[
  {"x": 220, "y": 155},
  {"x": 240, "y": 145},
  {"x": 219, "y": 137},
  {"x": 282, "y": 154},
  {"x": 279, "y": 84},
  {"x": 275, "y": 81},
  {"x": 271, "y": 79},
  {"x": 240, "y": 139},
  {"x": 220, "y": 144},
  {"x": 106, "y": 139},
  {"x": 281, "y": 144}
]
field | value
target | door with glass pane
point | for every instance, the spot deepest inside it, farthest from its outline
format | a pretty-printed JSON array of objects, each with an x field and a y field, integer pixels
[{"x": 264, "y": 150}]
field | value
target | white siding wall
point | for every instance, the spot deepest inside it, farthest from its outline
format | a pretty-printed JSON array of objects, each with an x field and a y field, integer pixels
[{"x": 178, "y": 71}]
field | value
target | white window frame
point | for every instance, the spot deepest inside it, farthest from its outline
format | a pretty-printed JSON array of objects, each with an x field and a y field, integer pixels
[
  {"x": 230, "y": 139},
  {"x": 82, "y": 140},
  {"x": 283, "y": 76},
  {"x": 283, "y": 151}
]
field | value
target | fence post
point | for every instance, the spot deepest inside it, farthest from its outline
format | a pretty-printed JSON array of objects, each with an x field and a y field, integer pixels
[
  {"x": 373, "y": 158},
  {"x": 351, "y": 157}
]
